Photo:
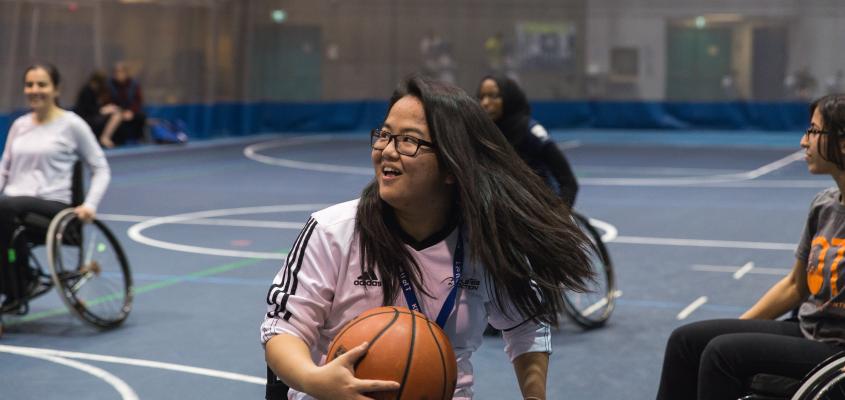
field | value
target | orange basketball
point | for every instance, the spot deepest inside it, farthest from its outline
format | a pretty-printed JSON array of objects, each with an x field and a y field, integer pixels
[{"x": 405, "y": 347}]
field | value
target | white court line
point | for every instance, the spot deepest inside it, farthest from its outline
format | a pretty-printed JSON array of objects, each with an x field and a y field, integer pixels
[
  {"x": 743, "y": 270},
  {"x": 733, "y": 270},
  {"x": 125, "y": 391},
  {"x": 695, "y": 180},
  {"x": 248, "y": 223},
  {"x": 251, "y": 152},
  {"x": 609, "y": 232},
  {"x": 671, "y": 171},
  {"x": 599, "y": 304},
  {"x": 745, "y": 184},
  {"x": 136, "y": 362},
  {"x": 730, "y": 244},
  {"x": 692, "y": 307},
  {"x": 122, "y": 217},
  {"x": 135, "y": 234},
  {"x": 569, "y": 144}
]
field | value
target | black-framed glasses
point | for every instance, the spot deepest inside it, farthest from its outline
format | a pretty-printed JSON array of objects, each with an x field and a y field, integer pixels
[
  {"x": 816, "y": 131},
  {"x": 405, "y": 145}
]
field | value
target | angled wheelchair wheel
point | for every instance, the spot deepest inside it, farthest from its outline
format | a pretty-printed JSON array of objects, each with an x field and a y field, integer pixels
[
  {"x": 593, "y": 308},
  {"x": 89, "y": 270},
  {"x": 825, "y": 382}
]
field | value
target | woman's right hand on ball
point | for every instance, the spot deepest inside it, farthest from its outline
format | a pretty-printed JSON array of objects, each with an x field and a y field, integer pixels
[{"x": 336, "y": 380}]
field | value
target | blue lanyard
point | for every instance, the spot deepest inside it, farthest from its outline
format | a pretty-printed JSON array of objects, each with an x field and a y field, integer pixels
[{"x": 449, "y": 304}]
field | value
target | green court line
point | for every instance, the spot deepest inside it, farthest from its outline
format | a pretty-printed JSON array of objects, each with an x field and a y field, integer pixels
[{"x": 151, "y": 287}]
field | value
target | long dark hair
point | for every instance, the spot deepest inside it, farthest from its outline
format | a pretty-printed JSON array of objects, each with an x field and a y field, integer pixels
[
  {"x": 516, "y": 112},
  {"x": 514, "y": 225},
  {"x": 832, "y": 110}
]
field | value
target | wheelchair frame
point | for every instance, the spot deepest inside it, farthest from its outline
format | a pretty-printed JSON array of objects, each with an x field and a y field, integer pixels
[
  {"x": 824, "y": 382},
  {"x": 58, "y": 275},
  {"x": 65, "y": 279},
  {"x": 593, "y": 315}
]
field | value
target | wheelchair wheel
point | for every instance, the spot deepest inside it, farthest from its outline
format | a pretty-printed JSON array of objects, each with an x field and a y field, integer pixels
[
  {"x": 825, "y": 382},
  {"x": 89, "y": 269},
  {"x": 592, "y": 308}
]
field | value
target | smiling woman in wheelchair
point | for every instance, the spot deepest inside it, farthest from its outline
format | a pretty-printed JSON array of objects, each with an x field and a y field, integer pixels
[
  {"x": 36, "y": 173},
  {"x": 715, "y": 359}
]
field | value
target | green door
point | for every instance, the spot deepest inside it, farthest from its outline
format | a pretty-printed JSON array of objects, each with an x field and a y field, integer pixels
[
  {"x": 696, "y": 62},
  {"x": 285, "y": 63}
]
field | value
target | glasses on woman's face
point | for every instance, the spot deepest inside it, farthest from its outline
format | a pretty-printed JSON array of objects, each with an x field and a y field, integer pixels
[
  {"x": 815, "y": 131},
  {"x": 405, "y": 145}
]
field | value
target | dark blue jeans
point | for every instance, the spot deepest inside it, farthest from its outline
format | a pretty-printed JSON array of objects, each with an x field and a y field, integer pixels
[{"x": 713, "y": 359}]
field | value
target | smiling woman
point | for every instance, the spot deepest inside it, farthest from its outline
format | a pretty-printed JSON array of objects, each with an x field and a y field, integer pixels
[
  {"x": 713, "y": 359},
  {"x": 36, "y": 168},
  {"x": 445, "y": 180}
]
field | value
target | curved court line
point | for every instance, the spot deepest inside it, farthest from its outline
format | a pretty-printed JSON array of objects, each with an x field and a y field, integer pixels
[
  {"x": 136, "y": 362},
  {"x": 251, "y": 152},
  {"x": 135, "y": 234},
  {"x": 126, "y": 392},
  {"x": 609, "y": 232}
]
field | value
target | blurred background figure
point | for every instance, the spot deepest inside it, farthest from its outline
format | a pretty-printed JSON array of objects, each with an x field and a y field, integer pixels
[
  {"x": 437, "y": 61},
  {"x": 835, "y": 83},
  {"x": 92, "y": 100},
  {"x": 801, "y": 84},
  {"x": 506, "y": 104},
  {"x": 125, "y": 106}
]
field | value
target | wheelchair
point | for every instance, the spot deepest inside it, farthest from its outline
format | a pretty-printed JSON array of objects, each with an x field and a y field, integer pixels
[
  {"x": 84, "y": 262},
  {"x": 825, "y": 382},
  {"x": 592, "y": 308}
]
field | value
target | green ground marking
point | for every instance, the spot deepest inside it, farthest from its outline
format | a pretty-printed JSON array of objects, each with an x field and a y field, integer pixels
[{"x": 148, "y": 287}]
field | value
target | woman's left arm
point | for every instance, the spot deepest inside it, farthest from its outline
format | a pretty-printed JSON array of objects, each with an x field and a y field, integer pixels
[
  {"x": 92, "y": 155},
  {"x": 531, "y": 370}
]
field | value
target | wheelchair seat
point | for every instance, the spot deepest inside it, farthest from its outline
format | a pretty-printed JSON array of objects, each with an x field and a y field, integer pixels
[{"x": 826, "y": 381}]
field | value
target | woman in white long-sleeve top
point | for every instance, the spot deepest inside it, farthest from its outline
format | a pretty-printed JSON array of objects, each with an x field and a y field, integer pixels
[{"x": 36, "y": 169}]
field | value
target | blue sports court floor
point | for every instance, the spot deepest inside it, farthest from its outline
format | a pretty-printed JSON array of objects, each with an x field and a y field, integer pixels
[{"x": 700, "y": 226}]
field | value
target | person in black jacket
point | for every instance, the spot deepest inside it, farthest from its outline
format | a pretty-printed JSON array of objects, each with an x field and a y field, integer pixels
[
  {"x": 507, "y": 105},
  {"x": 91, "y": 105}
]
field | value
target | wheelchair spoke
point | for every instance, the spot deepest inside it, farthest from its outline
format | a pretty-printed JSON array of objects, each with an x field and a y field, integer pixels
[{"x": 92, "y": 244}]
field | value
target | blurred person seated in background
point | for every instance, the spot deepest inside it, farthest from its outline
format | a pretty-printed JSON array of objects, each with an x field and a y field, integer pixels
[
  {"x": 125, "y": 102},
  {"x": 91, "y": 105}
]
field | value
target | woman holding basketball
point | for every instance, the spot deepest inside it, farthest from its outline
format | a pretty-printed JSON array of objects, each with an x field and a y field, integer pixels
[
  {"x": 713, "y": 359},
  {"x": 453, "y": 213}
]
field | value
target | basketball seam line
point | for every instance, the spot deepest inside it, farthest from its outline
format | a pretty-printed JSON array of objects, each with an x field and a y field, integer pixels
[
  {"x": 410, "y": 356},
  {"x": 442, "y": 360}
]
